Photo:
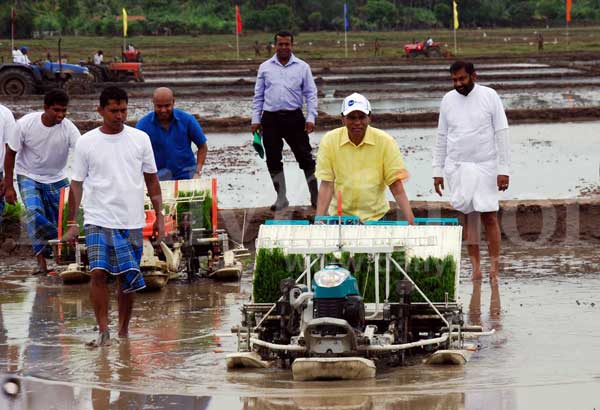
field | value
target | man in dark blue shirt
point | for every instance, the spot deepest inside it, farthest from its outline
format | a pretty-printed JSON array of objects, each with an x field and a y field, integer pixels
[{"x": 171, "y": 132}]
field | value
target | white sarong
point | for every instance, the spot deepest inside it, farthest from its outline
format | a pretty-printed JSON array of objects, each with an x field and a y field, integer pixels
[{"x": 472, "y": 186}]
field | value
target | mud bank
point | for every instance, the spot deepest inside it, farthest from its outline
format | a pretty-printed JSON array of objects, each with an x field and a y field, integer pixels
[
  {"x": 531, "y": 58},
  {"x": 386, "y": 120}
]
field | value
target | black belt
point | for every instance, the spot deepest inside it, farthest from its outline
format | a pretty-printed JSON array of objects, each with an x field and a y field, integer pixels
[{"x": 284, "y": 112}]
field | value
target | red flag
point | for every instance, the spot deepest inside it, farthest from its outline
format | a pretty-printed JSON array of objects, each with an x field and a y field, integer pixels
[
  {"x": 568, "y": 11},
  {"x": 238, "y": 19}
]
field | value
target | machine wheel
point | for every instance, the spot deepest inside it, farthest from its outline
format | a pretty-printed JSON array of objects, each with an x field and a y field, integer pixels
[
  {"x": 16, "y": 82},
  {"x": 74, "y": 86},
  {"x": 434, "y": 52},
  {"x": 413, "y": 54}
]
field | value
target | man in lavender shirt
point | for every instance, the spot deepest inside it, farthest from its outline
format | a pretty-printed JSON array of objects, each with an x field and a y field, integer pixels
[{"x": 282, "y": 84}]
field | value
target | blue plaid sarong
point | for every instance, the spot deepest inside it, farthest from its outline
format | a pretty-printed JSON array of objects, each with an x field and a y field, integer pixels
[
  {"x": 41, "y": 210},
  {"x": 117, "y": 251}
]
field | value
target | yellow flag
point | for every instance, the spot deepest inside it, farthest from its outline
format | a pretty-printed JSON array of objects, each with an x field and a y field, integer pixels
[
  {"x": 455, "y": 14},
  {"x": 124, "y": 22}
]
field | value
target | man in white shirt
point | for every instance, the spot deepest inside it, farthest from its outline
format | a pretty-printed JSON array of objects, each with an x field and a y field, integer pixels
[
  {"x": 472, "y": 159},
  {"x": 112, "y": 163},
  {"x": 98, "y": 57},
  {"x": 17, "y": 56},
  {"x": 25, "y": 56},
  {"x": 7, "y": 128},
  {"x": 37, "y": 153}
]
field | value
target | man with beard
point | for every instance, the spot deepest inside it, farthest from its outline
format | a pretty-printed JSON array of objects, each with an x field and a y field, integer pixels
[
  {"x": 360, "y": 162},
  {"x": 172, "y": 133},
  {"x": 472, "y": 159},
  {"x": 282, "y": 84},
  {"x": 37, "y": 152}
]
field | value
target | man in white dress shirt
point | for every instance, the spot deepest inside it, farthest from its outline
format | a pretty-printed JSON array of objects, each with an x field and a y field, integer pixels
[{"x": 471, "y": 159}]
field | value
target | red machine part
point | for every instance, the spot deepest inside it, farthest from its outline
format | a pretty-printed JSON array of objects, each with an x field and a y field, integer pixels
[
  {"x": 148, "y": 229},
  {"x": 134, "y": 68}
]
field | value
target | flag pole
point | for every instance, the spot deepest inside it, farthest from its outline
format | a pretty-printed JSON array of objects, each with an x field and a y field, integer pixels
[
  {"x": 238, "y": 30},
  {"x": 455, "y": 48},
  {"x": 124, "y": 15},
  {"x": 12, "y": 29},
  {"x": 346, "y": 29},
  {"x": 345, "y": 41},
  {"x": 568, "y": 5},
  {"x": 455, "y": 23}
]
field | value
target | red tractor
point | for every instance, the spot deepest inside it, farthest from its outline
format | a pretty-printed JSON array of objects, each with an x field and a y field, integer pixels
[
  {"x": 418, "y": 49},
  {"x": 116, "y": 72}
]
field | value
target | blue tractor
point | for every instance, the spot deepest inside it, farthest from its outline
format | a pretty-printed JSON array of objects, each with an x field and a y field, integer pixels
[{"x": 22, "y": 79}]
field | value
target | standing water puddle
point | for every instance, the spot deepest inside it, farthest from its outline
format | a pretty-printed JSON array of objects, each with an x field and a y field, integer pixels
[{"x": 543, "y": 354}]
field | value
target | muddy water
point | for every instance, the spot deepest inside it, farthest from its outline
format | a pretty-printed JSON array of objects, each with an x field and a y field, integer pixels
[
  {"x": 382, "y": 102},
  {"x": 543, "y": 354}
]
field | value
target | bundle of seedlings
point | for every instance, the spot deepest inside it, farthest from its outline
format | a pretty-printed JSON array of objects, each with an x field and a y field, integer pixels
[{"x": 434, "y": 276}]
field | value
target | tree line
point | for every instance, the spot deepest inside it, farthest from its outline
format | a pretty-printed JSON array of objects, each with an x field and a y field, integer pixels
[{"x": 98, "y": 17}]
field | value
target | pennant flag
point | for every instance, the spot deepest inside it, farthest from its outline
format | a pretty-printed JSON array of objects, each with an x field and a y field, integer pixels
[
  {"x": 124, "y": 22},
  {"x": 238, "y": 20},
  {"x": 346, "y": 20},
  {"x": 568, "y": 16},
  {"x": 455, "y": 14}
]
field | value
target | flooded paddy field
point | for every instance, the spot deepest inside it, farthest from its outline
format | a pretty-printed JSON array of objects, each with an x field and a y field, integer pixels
[
  {"x": 541, "y": 356},
  {"x": 538, "y": 152},
  {"x": 544, "y": 309},
  {"x": 408, "y": 92}
]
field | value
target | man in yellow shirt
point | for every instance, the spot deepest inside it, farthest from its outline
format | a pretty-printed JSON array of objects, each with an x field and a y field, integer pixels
[{"x": 360, "y": 161}]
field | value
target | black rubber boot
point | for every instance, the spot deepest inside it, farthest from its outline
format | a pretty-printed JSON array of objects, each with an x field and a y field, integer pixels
[
  {"x": 278, "y": 180},
  {"x": 313, "y": 187}
]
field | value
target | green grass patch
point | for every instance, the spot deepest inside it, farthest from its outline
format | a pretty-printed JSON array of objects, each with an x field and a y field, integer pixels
[{"x": 322, "y": 44}]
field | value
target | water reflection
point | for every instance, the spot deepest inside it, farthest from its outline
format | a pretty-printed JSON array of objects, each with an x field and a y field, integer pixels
[{"x": 474, "y": 312}]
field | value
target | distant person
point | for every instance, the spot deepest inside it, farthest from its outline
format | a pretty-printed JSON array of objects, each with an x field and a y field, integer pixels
[
  {"x": 98, "y": 57},
  {"x": 471, "y": 159},
  {"x": 48, "y": 56},
  {"x": 282, "y": 84},
  {"x": 130, "y": 48},
  {"x": 256, "y": 49},
  {"x": 360, "y": 162},
  {"x": 377, "y": 47},
  {"x": 17, "y": 56},
  {"x": 269, "y": 48},
  {"x": 24, "y": 56},
  {"x": 540, "y": 41},
  {"x": 7, "y": 129},
  {"x": 428, "y": 42},
  {"x": 172, "y": 133},
  {"x": 38, "y": 154},
  {"x": 112, "y": 164}
]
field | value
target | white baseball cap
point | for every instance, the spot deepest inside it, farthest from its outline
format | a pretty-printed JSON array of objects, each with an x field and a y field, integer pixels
[{"x": 356, "y": 102}]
